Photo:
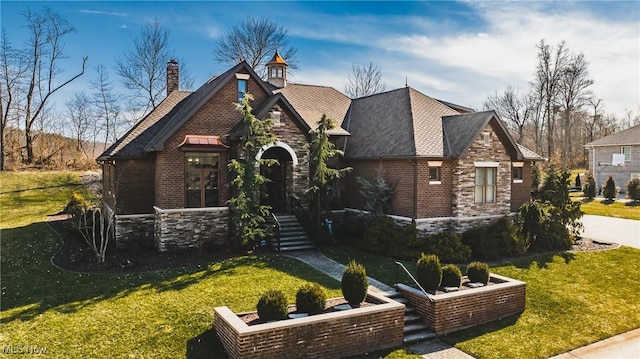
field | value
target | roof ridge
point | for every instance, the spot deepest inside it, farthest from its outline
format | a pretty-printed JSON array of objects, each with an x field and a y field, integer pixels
[{"x": 413, "y": 120}]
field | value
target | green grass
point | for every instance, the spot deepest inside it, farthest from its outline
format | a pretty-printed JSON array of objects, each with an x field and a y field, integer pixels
[
  {"x": 611, "y": 209},
  {"x": 163, "y": 314},
  {"x": 573, "y": 299}
]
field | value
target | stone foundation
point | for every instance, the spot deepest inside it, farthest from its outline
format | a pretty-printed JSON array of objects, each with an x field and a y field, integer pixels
[
  {"x": 331, "y": 335},
  {"x": 184, "y": 228},
  {"x": 455, "y": 311},
  {"x": 134, "y": 231}
]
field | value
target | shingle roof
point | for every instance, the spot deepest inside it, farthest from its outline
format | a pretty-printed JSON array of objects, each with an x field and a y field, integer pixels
[
  {"x": 132, "y": 143},
  {"x": 530, "y": 155},
  {"x": 460, "y": 130},
  {"x": 398, "y": 123},
  {"x": 630, "y": 136},
  {"x": 311, "y": 102}
]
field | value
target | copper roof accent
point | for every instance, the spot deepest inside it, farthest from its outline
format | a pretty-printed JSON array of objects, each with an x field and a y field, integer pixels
[
  {"x": 199, "y": 140},
  {"x": 277, "y": 60},
  {"x": 311, "y": 102}
]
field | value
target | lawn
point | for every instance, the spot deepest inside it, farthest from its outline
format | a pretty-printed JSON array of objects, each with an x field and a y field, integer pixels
[
  {"x": 163, "y": 314},
  {"x": 573, "y": 299},
  {"x": 611, "y": 209}
]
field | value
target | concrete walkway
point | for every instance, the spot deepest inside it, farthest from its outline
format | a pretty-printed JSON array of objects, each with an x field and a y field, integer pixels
[
  {"x": 610, "y": 229},
  {"x": 623, "y": 346}
]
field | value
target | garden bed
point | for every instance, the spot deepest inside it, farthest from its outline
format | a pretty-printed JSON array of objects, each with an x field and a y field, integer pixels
[
  {"x": 332, "y": 334},
  {"x": 450, "y": 312}
]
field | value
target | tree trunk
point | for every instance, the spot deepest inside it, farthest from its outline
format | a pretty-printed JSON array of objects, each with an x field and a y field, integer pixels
[{"x": 28, "y": 145}]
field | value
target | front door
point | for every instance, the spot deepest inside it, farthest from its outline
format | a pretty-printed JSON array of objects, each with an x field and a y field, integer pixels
[{"x": 276, "y": 187}]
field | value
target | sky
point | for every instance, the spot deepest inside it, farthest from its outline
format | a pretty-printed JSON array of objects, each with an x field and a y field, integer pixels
[{"x": 454, "y": 51}]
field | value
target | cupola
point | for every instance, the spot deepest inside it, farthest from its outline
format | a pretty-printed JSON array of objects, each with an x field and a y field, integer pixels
[{"x": 277, "y": 71}]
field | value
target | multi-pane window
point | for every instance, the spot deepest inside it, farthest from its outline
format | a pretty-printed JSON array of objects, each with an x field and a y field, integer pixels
[
  {"x": 517, "y": 174},
  {"x": 485, "y": 185},
  {"x": 434, "y": 174},
  {"x": 202, "y": 179},
  {"x": 626, "y": 151},
  {"x": 242, "y": 89}
]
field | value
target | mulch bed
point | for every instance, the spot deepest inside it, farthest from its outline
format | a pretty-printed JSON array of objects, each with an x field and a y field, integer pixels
[
  {"x": 329, "y": 307},
  {"x": 76, "y": 255},
  {"x": 587, "y": 245}
]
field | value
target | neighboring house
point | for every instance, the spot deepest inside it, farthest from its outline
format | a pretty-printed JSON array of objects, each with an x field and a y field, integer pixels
[
  {"x": 167, "y": 178},
  {"x": 616, "y": 155}
]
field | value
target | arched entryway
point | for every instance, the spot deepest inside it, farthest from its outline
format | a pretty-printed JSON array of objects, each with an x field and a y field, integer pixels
[{"x": 280, "y": 175}]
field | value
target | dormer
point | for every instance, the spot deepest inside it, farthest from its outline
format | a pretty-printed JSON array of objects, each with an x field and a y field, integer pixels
[{"x": 277, "y": 71}]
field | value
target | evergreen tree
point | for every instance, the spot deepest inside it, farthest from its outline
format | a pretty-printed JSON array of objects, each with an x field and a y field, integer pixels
[
  {"x": 578, "y": 182},
  {"x": 590, "y": 187},
  {"x": 609, "y": 191},
  {"x": 322, "y": 187},
  {"x": 248, "y": 215},
  {"x": 633, "y": 189}
]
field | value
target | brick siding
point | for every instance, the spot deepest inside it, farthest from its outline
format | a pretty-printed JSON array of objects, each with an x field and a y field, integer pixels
[
  {"x": 134, "y": 186},
  {"x": 521, "y": 192},
  {"x": 332, "y": 335},
  {"x": 455, "y": 311}
]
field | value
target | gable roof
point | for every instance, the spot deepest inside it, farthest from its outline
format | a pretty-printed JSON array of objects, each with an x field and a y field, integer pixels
[
  {"x": 132, "y": 143},
  {"x": 630, "y": 136},
  {"x": 530, "y": 155},
  {"x": 460, "y": 131},
  {"x": 311, "y": 102},
  {"x": 397, "y": 123},
  {"x": 195, "y": 101}
]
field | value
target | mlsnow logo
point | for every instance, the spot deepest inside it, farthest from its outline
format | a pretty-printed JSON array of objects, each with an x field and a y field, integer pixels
[{"x": 23, "y": 349}]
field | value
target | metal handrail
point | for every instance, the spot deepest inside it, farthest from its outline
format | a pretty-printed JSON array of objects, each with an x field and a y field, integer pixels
[
  {"x": 399, "y": 264},
  {"x": 278, "y": 229}
]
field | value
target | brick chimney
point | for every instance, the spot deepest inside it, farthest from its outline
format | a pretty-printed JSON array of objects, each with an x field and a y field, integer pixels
[{"x": 173, "y": 76}]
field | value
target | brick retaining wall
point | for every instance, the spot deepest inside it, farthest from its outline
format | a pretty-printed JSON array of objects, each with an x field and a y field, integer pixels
[
  {"x": 190, "y": 227},
  {"x": 331, "y": 335},
  {"x": 455, "y": 311}
]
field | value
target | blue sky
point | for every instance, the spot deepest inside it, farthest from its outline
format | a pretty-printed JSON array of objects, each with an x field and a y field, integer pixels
[{"x": 454, "y": 51}]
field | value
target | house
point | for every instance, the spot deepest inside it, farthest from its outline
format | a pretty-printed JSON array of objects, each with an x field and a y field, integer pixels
[
  {"x": 616, "y": 155},
  {"x": 167, "y": 182}
]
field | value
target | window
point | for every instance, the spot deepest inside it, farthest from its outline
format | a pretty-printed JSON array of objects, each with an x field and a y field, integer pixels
[
  {"x": 202, "y": 179},
  {"x": 485, "y": 184},
  {"x": 242, "y": 89},
  {"x": 626, "y": 151},
  {"x": 517, "y": 174},
  {"x": 434, "y": 174},
  {"x": 487, "y": 138}
]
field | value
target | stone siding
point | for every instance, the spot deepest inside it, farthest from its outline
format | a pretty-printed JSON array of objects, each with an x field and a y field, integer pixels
[
  {"x": 190, "y": 227},
  {"x": 135, "y": 231},
  {"x": 450, "y": 312},
  {"x": 331, "y": 335},
  {"x": 464, "y": 178}
]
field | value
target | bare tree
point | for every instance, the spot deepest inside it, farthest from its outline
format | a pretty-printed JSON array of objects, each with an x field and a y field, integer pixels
[
  {"x": 43, "y": 52},
  {"x": 255, "y": 41},
  {"x": 595, "y": 119},
  {"x": 364, "y": 80},
  {"x": 573, "y": 94},
  {"x": 11, "y": 71},
  {"x": 514, "y": 108},
  {"x": 551, "y": 64},
  {"x": 80, "y": 117},
  {"x": 106, "y": 106},
  {"x": 142, "y": 69}
]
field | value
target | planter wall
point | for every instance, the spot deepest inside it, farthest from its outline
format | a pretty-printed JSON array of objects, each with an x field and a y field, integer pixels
[
  {"x": 454, "y": 311},
  {"x": 331, "y": 335}
]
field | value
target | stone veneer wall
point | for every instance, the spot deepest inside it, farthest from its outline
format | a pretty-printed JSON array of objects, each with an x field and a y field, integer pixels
[
  {"x": 331, "y": 335},
  {"x": 189, "y": 227},
  {"x": 455, "y": 311},
  {"x": 134, "y": 231},
  {"x": 432, "y": 225}
]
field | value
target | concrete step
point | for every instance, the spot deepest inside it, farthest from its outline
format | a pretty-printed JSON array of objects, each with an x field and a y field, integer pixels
[
  {"x": 418, "y": 337},
  {"x": 296, "y": 248},
  {"x": 414, "y": 327}
]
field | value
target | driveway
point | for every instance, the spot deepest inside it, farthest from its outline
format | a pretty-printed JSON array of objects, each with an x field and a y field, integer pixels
[{"x": 610, "y": 229}]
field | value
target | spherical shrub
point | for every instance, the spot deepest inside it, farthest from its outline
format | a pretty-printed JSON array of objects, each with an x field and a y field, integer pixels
[
  {"x": 354, "y": 283},
  {"x": 310, "y": 298},
  {"x": 429, "y": 272},
  {"x": 451, "y": 276},
  {"x": 272, "y": 305},
  {"x": 478, "y": 272}
]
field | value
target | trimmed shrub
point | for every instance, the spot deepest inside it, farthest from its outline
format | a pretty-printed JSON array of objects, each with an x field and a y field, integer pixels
[
  {"x": 633, "y": 189},
  {"x": 478, "y": 272},
  {"x": 609, "y": 191},
  {"x": 448, "y": 247},
  {"x": 429, "y": 272},
  {"x": 589, "y": 189},
  {"x": 451, "y": 276},
  {"x": 381, "y": 236},
  {"x": 272, "y": 305},
  {"x": 311, "y": 298},
  {"x": 354, "y": 283},
  {"x": 578, "y": 182},
  {"x": 495, "y": 240}
]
